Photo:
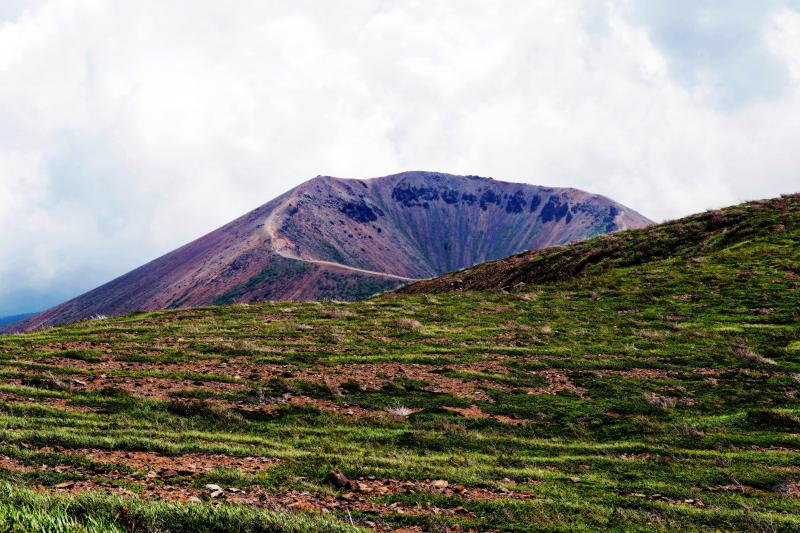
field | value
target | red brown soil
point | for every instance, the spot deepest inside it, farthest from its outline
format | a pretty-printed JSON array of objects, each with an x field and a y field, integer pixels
[
  {"x": 473, "y": 411},
  {"x": 187, "y": 464}
]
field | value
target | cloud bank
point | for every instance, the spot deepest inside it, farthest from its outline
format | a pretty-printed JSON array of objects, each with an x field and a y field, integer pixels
[{"x": 130, "y": 128}]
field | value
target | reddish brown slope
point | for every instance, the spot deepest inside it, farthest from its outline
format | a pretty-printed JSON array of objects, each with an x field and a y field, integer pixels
[{"x": 333, "y": 238}]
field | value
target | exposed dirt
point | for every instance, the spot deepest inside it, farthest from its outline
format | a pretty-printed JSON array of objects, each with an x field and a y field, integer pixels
[
  {"x": 9, "y": 463},
  {"x": 187, "y": 464},
  {"x": 557, "y": 381},
  {"x": 473, "y": 411}
]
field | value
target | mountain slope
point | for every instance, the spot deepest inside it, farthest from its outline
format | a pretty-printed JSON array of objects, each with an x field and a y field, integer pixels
[
  {"x": 343, "y": 239},
  {"x": 653, "y": 389},
  {"x": 692, "y": 236}
]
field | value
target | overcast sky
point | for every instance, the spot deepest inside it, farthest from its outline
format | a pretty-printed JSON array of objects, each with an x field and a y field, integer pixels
[{"x": 128, "y": 128}]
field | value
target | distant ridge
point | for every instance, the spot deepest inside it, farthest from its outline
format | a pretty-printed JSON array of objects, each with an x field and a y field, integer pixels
[
  {"x": 9, "y": 320},
  {"x": 345, "y": 239}
]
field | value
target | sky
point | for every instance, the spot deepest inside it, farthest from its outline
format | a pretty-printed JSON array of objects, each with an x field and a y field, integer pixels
[{"x": 130, "y": 128}]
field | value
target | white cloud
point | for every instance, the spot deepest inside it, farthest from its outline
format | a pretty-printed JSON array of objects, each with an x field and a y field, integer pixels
[{"x": 129, "y": 128}]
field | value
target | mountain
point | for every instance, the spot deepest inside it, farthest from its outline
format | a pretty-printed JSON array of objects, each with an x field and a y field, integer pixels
[
  {"x": 345, "y": 239},
  {"x": 646, "y": 381},
  {"x": 693, "y": 236},
  {"x": 9, "y": 320}
]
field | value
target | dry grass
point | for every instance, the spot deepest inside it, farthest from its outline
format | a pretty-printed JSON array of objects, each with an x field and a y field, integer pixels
[
  {"x": 745, "y": 352},
  {"x": 408, "y": 324},
  {"x": 659, "y": 401},
  {"x": 400, "y": 411}
]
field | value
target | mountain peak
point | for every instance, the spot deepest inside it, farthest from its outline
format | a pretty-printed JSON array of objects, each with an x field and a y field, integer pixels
[{"x": 338, "y": 238}]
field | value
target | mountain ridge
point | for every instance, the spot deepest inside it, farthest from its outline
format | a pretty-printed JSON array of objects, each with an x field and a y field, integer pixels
[{"x": 12, "y": 319}]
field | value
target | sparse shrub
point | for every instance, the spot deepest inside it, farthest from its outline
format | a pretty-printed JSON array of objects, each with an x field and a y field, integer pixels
[
  {"x": 338, "y": 313},
  {"x": 205, "y": 410},
  {"x": 690, "y": 430},
  {"x": 660, "y": 402},
  {"x": 772, "y": 420},
  {"x": 408, "y": 324},
  {"x": 296, "y": 326},
  {"x": 400, "y": 411},
  {"x": 715, "y": 220},
  {"x": 38, "y": 382},
  {"x": 352, "y": 385},
  {"x": 650, "y": 334},
  {"x": 743, "y": 351},
  {"x": 333, "y": 388}
]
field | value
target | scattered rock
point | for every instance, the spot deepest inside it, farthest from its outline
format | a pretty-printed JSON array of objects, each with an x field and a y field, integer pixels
[
  {"x": 302, "y": 505},
  {"x": 337, "y": 480}
]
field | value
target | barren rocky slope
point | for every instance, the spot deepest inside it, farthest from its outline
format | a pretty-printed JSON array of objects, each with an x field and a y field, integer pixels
[{"x": 332, "y": 238}]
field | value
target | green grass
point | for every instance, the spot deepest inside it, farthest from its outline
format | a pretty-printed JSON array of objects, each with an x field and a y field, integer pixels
[
  {"x": 653, "y": 388},
  {"x": 26, "y": 511}
]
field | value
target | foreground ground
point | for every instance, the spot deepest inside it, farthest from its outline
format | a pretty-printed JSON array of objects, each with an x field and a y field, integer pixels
[{"x": 658, "y": 395}]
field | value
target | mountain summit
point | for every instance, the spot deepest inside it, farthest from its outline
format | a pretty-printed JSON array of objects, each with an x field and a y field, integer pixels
[{"x": 333, "y": 238}]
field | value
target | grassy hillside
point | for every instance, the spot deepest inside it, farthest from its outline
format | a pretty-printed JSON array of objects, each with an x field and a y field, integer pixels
[
  {"x": 682, "y": 239},
  {"x": 659, "y": 392}
]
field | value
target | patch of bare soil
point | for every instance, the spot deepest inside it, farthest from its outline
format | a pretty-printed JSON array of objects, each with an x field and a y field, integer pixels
[
  {"x": 473, "y": 411},
  {"x": 557, "y": 381},
  {"x": 9, "y": 463},
  {"x": 376, "y": 375},
  {"x": 157, "y": 388},
  {"x": 184, "y": 465},
  {"x": 77, "y": 345},
  {"x": 790, "y": 489}
]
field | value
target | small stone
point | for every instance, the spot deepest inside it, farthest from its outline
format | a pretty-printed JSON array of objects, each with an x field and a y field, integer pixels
[
  {"x": 168, "y": 474},
  {"x": 213, "y": 488},
  {"x": 336, "y": 479},
  {"x": 575, "y": 479},
  {"x": 440, "y": 484},
  {"x": 194, "y": 499},
  {"x": 302, "y": 505}
]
